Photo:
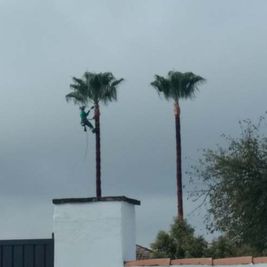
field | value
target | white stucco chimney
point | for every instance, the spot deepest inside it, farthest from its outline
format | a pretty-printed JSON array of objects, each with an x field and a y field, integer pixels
[{"x": 91, "y": 232}]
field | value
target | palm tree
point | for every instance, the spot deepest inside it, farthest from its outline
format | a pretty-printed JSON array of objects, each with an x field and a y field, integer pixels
[
  {"x": 95, "y": 88},
  {"x": 178, "y": 86}
]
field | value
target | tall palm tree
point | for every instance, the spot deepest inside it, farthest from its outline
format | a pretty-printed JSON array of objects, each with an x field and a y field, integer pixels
[
  {"x": 176, "y": 86},
  {"x": 95, "y": 88}
]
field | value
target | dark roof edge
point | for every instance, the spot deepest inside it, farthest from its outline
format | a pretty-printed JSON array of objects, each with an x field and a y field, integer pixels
[{"x": 95, "y": 199}]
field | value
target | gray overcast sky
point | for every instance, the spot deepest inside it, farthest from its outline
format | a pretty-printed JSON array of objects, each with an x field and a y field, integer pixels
[{"x": 44, "y": 43}]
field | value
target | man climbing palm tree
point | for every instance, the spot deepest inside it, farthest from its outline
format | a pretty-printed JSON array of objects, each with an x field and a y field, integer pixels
[
  {"x": 94, "y": 88},
  {"x": 84, "y": 119}
]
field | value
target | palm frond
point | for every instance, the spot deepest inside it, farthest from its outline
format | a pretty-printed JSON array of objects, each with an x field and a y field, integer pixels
[
  {"x": 162, "y": 86},
  {"x": 78, "y": 81},
  {"x": 76, "y": 97},
  {"x": 190, "y": 83},
  {"x": 116, "y": 82},
  {"x": 110, "y": 93}
]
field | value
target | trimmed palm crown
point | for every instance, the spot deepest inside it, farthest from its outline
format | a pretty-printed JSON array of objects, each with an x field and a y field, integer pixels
[
  {"x": 95, "y": 88},
  {"x": 176, "y": 86}
]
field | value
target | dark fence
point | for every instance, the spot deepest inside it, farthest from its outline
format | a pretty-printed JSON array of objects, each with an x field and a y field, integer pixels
[{"x": 27, "y": 253}]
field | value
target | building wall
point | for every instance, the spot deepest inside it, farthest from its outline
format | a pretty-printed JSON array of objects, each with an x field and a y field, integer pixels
[
  {"x": 245, "y": 261},
  {"x": 94, "y": 234}
]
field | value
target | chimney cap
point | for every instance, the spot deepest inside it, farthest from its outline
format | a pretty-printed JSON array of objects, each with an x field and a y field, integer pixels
[{"x": 59, "y": 201}]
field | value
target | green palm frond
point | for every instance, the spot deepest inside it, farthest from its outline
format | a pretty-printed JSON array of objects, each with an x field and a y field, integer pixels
[
  {"x": 116, "y": 82},
  {"x": 162, "y": 85},
  {"x": 79, "y": 86},
  {"x": 78, "y": 81},
  {"x": 94, "y": 87},
  {"x": 177, "y": 85},
  {"x": 76, "y": 97}
]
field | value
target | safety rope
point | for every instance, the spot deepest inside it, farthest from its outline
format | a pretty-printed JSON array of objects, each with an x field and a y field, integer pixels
[{"x": 86, "y": 146}]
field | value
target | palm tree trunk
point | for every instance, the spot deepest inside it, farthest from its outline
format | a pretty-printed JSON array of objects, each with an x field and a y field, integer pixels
[
  {"x": 97, "y": 151},
  {"x": 178, "y": 162}
]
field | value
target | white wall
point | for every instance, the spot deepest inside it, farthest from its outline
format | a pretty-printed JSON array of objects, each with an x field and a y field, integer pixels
[
  {"x": 128, "y": 231},
  {"x": 95, "y": 234}
]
